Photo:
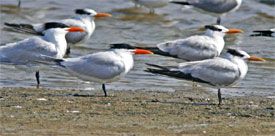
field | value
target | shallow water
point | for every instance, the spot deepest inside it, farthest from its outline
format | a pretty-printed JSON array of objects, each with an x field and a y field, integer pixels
[{"x": 135, "y": 26}]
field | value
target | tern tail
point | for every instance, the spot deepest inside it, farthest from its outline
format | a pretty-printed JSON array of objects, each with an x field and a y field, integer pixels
[
  {"x": 59, "y": 62},
  {"x": 180, "y": 2},
  {"x": 157, "y": 66},
  {"x": 162, "y": 70},
  {"x": 22, "y": 28},
  {"x": 155, "y": 50}
]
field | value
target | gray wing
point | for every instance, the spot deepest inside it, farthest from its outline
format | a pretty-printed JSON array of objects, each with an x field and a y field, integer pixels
[
  {"x": 28, "y": 50},
  {"x": 192, "y": 48},
  {"x": 216, "y": 6},
  {"x": 102, "y": 65},
  {"x": 216, "y": 71}
]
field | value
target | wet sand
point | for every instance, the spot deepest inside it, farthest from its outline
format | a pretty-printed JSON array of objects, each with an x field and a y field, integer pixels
[{"x": 68, "y": 112}]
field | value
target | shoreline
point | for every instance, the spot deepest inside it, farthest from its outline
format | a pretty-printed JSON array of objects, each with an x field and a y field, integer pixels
[{"x": 26, "y": 111}]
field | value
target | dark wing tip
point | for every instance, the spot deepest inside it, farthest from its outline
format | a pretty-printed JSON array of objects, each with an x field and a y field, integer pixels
[
  {"x": 262, "y": 33},
  {"x": 180, "y": 2},
  {"x": 157, "y": 66},
  {"x": 121, "y": 46}
]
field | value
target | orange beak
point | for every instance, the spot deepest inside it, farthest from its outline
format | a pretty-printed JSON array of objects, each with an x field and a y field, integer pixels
[
  {"x": 141, "y": 51},
  {"x": 234, "y": 31},
  {"x": 255, "y": 58},
  {"x": 103, "y": 15},
  {"x": 75, "y": 29}
]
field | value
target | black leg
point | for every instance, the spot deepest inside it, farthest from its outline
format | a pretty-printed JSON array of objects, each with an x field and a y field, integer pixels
[
  {"x": 104, "y": 90},
  {"x": 68, "y": 51},
  {"x": 37, "y": 78},
  {"x": 152, "y": 11},
  {"x": 219, "y": 20},
  {"x": 195, "y": 86},
  {"x": 19, "y": 4},
  {"x": 220, "y": 96}
]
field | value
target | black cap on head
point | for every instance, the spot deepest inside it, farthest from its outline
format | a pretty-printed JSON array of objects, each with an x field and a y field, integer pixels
[
  {"x": 212, "y": 27},
  {"x": 82, "y": 12},
  {"x": 235, "y": 52},
  {"x": 50, "y": 25}
]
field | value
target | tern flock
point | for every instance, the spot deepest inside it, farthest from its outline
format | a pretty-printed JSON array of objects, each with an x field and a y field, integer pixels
[{"x": 202, "y": 52}]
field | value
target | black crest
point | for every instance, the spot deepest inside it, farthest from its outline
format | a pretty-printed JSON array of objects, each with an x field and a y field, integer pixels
[
  {"x": 82, "y": 12},
  {"x": 211, "y": 27},
  {"x": 50, "y": 25},
  {"x": 234, "y": 52},
  {"x": 262, "y": 33}
]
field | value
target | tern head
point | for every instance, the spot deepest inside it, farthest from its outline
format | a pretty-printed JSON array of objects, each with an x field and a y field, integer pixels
[
  {"x": 62, "y": 30},
  {"x": 91, "y": 12},
  {"x": 141, "y": 51},
  {"x": 243, "y": 55},
  {"x": 50, "y": 25},
  {"x": 133, "y": 51},
  {"x": 221, "y": 30},
  {"x": 60, "y": 27}
]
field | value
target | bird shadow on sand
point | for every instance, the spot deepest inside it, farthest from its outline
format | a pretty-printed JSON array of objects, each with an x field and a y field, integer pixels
[
  {"x": 89, "y": 95},
  {"x": 81, "y": 95},
  {"x": 177, "y": 102},
  {"x": 191, "y": 103}
]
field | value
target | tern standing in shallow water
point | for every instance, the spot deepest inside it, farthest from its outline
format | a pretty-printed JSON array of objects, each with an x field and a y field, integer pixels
[
  {"x": 198, "y": 47},
  {"x": 218, "y": 7},
  {"x": 102, "y": 67},
  {"x": 151, "y": 4},
  {"x": 27, "y": 52},
  {"x": 217, "y": 72},
  {"x": 84, "y": 19}
]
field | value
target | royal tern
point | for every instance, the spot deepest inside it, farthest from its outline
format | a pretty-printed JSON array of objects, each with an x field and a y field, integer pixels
[
  {"x": 23, "y": 27},
  {"x": 28, "y": 51},
  {"x": 151, "y": 4},
  {"x": 219, "y": 7},
  {"x": 84, "y": 19},
  {"x": 136, "y": 3},
  {"x": 102, "y": 67},
  {"x": 19, "y": 4},
  {"x": 268, "y": 33},
  {"x": 217, "y": 72},
  {"x": 193, "y": 48}
]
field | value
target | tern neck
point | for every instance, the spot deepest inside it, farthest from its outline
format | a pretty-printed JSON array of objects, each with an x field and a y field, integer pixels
[
  {"x": 239, "y": 2},
  {"x": 241, "y": 64},
  {"x": 89, "y": 24},
  {"x": 218, "y": 38},
  {"x": 84, "y": 17},
  {"x": 58, "y": 39},
  {"x": 127, "y": 59}
]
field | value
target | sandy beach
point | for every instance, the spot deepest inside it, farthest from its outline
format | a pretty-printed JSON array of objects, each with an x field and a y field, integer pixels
[{"x": 27, "y": 111}]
